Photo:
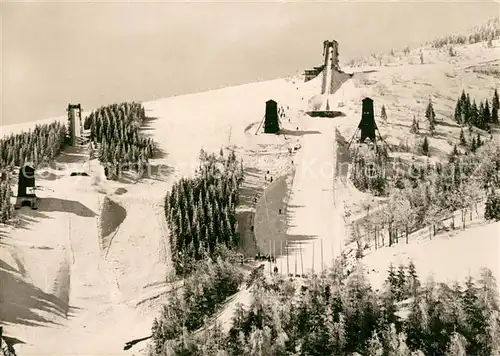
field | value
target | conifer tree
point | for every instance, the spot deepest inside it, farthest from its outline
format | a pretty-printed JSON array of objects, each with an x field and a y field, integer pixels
[
  {"x": 480, "y": 121},
  {"x": 494, "y": 116},
  {"x": 458, "y": 112},
  {"x": 495, "y": 103},
  {"x": 431, "y": 116},
  {"x": 474, "y": 114},
  {"x": 414, "y": 126},
  {"x": 392, "y": 278},
  {"x": 463, "y": 142},
  {"x": 383, "y": 113},
  {"x": 475, "y": 323},
  {"x": 453, "y": 154},
  {"x": 413, "y": 282},
  {"x": 464, "y": 108},
  {"x": 432, "y": 125},
  {"x": 492, "y": 207},
  {"x": 401, "y": 282},
  {"x": 486, "y": 113},
  {"x": 473, "y": 145},
  {"x": 425, "y": 146}
]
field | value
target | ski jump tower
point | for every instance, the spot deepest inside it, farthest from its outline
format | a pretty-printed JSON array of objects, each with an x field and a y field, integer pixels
[
  {"x": 75, "y": 122},
  {"x": 333, "y": 77}
]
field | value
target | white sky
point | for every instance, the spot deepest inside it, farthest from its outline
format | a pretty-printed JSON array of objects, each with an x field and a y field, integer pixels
[{"x": 96, "y": 53}]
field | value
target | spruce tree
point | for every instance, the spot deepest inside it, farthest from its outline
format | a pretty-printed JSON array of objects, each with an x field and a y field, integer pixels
[
  {"x": 475, "y": 321},
  {"x": 432, "y": 127},
  {"x": 495, "y": 103},
  {"x": 474, "y": 114},
  {"x": 463, "y": 142},
  {"x": 392, "y": 279},
  {"x": 414, "y": 126},
  {"x": 401, "y": 282},
  {"x": 486, "y": 113},
  {"x": 453, "y": 154},
  {"x": 473, "y": 145},
  {"x": 481, "y": 120},
  {"x": 413, "y": 282},
  {"x": 494, "y": 116},
  {"x": 464, "y": 108},
  {"x": 429, "y": 112},
  {"x": 458, "y": 112},
  {"x": 492, "y": 207},
  {"x": 468, "y": 109},
  {"x": 425, "y": 147},
  {"x": 431, "y": 117},
  {"x": 383, "y": 114}
]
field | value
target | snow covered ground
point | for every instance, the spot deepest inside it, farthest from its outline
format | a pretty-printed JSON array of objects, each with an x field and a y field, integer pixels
[
  {"x": 315, "y": 224},
  {"x": 57, "y": 251},
  {"x": 105, "y": 298},
  {"x": 447, "y": 257}
]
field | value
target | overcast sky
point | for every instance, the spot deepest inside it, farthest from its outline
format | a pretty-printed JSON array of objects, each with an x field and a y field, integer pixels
[{"x": 96, "y": 53}]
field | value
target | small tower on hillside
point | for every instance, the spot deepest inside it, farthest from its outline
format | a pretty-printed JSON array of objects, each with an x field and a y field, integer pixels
[
  {"x": 26, "y": 188},
  {"x": 271, "y": 124},
  {"x": 75, "y": 123},
  {"x": 367, "y": 126}
]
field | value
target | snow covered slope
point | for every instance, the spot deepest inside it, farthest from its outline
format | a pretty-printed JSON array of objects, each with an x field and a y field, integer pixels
[
  {"x": 57, "y": 250},
  {"x": 106, "y": 297}
]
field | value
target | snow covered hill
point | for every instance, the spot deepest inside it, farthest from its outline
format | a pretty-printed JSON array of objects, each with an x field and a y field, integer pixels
[{"x": 107, "y": 296}]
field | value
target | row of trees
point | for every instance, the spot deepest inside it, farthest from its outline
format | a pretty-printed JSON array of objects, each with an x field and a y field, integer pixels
[
  {"x": 200, "y": 211},
  {"x": 470, "y": 114},
  {"x": 41, "y": 145},
  {"x": 336, "y": 316},
  {"x": 116, "y": 128},
  {"x": 6, "y": 207}
]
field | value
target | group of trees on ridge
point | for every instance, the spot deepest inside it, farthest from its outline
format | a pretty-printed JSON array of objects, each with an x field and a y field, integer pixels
[
  {"x": 116, "y": 128},
  {"x": 200, "y": 211},
  {"x": 488, "y": 32},
  {"x": 343, "y": 315},
  {"x": 484, "y": 33},
  {"x": 470, "y": 114}
]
